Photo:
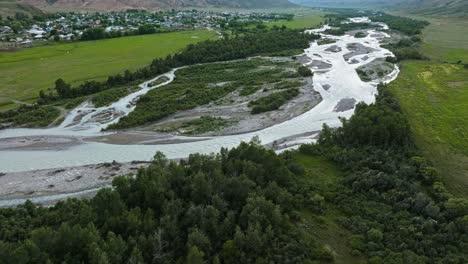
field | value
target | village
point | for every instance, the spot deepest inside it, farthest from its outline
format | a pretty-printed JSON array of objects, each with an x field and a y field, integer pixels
[{"x": 63, "y": 27}]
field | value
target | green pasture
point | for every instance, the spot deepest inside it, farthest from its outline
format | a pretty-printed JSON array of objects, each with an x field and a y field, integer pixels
[
  {"x": 25, "y": 72},
  {"x": 310, "y": 19},
  {"x": 434, "y": 97},
  {"x": 445, "y": 39}
]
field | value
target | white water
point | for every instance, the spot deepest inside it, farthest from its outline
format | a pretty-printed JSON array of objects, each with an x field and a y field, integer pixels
[{"x": 343, "y": 79}]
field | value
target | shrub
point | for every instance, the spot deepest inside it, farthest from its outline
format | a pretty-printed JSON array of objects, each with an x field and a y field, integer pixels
[
  {"x": 360, "y": 35},
  {"x": 272, "y": 101},
  {"x": 305, "y": 71}
]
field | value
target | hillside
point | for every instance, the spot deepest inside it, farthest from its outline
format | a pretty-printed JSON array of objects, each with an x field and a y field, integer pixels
[
  {"x": 457, "y": 8},
  {"x": 10, "y": 7},
  {"x": 154, "y": 4},
  {"x": 435, "y": 7}
]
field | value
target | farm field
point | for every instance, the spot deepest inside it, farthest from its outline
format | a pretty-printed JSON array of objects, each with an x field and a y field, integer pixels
[
  {"x": 434, "y": 97},
  {"x": 26, "y": 72},
  {"x": 445, "y": 39},
  {"x": 308, "y": 19}
]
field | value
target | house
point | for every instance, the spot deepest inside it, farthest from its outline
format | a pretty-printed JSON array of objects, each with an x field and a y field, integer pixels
[
  {"x": 6, "y": 30},
  {"x": 36, "y": 30},
  {"x": 114, "y": 28}
]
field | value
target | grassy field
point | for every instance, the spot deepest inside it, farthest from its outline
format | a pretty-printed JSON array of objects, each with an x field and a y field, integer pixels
[
  {"x": 434, "y": 97},
  {"x": 325, "y": 175},
  {"x": 303, "y": 19},
  {"x": 445, "y": 39},
  {"x": 27, "y": 71}
]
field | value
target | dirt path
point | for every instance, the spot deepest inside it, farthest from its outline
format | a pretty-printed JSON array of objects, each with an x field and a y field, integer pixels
[
  {"x": 15, "y": 101},
  {"x": 60, "y": 118}
]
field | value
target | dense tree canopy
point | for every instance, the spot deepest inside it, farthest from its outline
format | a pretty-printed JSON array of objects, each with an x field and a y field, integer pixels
[
  {"x": 394, "y": 201},
  {"x": 406, "y": 25},
  {"x": 234, "y": 207}
]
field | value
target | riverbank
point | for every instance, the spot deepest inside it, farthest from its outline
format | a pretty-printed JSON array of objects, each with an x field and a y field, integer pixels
[{"x": 49, "y": 186}]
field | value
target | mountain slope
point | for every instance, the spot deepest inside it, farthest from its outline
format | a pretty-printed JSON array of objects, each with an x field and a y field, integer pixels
[
  {"x": 428, "y": 7},
  {"x": 126, "y": 4},
  {"x": 436, "y": 7},
  {"x": 9, "y": 8}
]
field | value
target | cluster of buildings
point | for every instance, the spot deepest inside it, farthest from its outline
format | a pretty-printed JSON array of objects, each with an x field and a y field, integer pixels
[
  {"x": 56, "y": 29},
  {"x": 70, "y": 26}
]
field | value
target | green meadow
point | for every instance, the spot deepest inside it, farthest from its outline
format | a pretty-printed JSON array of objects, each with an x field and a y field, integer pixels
[
  {"x": 445, "y": 39},
  {"x": 25, "y": 72},
  {"x": 434, "y": 97},
  {"x": 305, "y": 19}
]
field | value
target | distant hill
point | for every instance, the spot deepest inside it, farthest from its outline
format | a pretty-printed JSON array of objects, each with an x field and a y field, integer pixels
[
  {"x": 344, "y": 3},
  {"x": 436, "y": 7},
  {"x": 427, "y": 7},
  {"x": 9, "y": 8},
  {"x": 109, "y": 5}
]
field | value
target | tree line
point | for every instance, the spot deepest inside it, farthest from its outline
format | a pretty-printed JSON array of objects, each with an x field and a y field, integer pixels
[
  {"x": 238, "y": 206},
  {"x": 265, "y": 41},
  {"x": 406, "y": 25},
  {"x": 407, "y": 48},
  {"x": 394, "y": 201}
]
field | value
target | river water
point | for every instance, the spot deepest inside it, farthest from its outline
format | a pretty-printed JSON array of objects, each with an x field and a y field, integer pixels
[{"x": 339, "y": 82}]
